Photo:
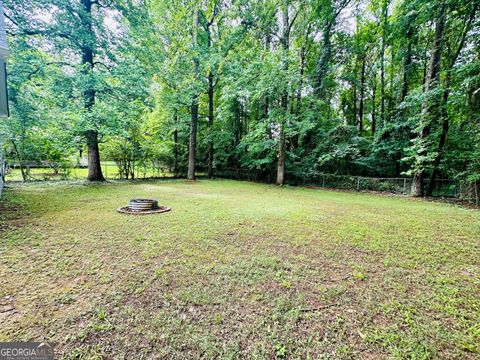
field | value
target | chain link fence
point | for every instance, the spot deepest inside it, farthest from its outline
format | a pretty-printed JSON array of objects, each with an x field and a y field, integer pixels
[
  {"x": 47, "y": 171},
  {"x": 470, "y": 191},
  {"x": 448, "y": 188},
  {"x": 51, "y": 171}
]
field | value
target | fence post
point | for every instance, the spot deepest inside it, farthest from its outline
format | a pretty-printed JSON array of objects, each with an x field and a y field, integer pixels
[
  {"x": 323, "y": 181},
  {"x": 358, "y": 183},
  {"x": 404, "y": 185}
]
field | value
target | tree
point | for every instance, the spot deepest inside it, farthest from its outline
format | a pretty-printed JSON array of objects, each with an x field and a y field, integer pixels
[
  {"x": 430, "y": 103},
  {"x": 78, "y": 28},
  {"x": 283, "y": 90}
]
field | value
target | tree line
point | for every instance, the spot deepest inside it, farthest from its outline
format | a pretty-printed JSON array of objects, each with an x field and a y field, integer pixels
[{"x": 283, "y": 87}]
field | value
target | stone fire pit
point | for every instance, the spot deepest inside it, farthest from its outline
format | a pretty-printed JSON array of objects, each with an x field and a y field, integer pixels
[{"x": 143, "y": 207}]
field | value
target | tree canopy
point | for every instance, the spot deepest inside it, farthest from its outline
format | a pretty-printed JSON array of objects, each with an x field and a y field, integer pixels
[{"x": 284, "y": 88}]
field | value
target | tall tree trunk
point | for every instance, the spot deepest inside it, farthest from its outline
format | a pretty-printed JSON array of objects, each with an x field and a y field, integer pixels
[
  {"x": 192, "y": 147},
  {"x": 210, "y": 107},
  {"x": 303, "y": 56},
  {"x": 407, "y": 64},
  {"x": 210, "y": 124},
  {"x": 282, "y": 145},
  {"x": 323, "y": 61},
  {"x": 354, "y": 94},
  {"x": 94, "y": 167},
  {"x": 441, "y": 145},
  {"x": 374, "y": 119},
  {"x": 265, "y": 107},
  {"x": 175, "y": 145},
  {"x": 281, "y": 156},
  {"x": 296, "y": 137},
  {"x": 20, "y": 160},
  {"x": 266, "y": 100},
  {"x": 362, "y": 95},
  {"x": 237, "y": 121},
  {"x": 284, "y": 101},
  {"x": 424, "y": 75},
  {"x": 132, "y": 161},
  {"x": 389, "y": 97},
  {"x": 382, "y": 62},
  {"x": 427, "y": 107}
]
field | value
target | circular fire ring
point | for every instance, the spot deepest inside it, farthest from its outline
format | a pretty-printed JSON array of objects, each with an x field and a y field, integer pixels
[
  {"x": 143, "y": 207},
  {"x": 129, "y": 211},
  {"x": 143, "y": 204}
]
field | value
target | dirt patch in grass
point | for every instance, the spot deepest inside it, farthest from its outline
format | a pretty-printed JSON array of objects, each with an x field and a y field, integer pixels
[{"x": 12, "y": 214}]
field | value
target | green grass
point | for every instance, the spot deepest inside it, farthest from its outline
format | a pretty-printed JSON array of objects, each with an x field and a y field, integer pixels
[{"x": 238, "y": 270}]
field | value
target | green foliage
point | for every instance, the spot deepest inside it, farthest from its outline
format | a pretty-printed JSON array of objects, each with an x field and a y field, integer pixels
[{"x": 345, "y": 81}]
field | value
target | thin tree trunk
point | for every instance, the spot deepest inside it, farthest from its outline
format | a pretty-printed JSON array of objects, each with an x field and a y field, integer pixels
[
  {"x": 210, "y": 108},
  {"x": 374, "y": 120},
  {"x": 443, "y": 136},
  {"x": 210, "y": 124},
  {"x": 193, "y": 140},
  {"x": 132, "y": 167},
  {"x": 194, "y": 108},
  {"x": 175, "y": 145},
  {"x": 281, "y": 156},
  {"x": 407, "y": 64},
  {"x": 322, "y": 66},
  {"x": 324, "y": 60},
  {"x": 281, "y": 138},
  {"x": 266, "y": 105},
  {"x": 354, "y": 104},
  {"x": 438, "y": 157},
  {"x": 296, "y": 137},
  {"x": 389, "y": 97},
  {"x": 266, "y": 100},
  {"x": 20, "y": 160},
  {"x": 237, "y": 122},
  {"x": 382, "y": 62},
  {"x": 300, "y": 85},
  {"x": 424, "y": 75},
  {"x": 362, "y": 95}
]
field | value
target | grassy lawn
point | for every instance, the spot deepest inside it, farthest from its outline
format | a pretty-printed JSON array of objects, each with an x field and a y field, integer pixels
[{"x": 238, "y": 270}]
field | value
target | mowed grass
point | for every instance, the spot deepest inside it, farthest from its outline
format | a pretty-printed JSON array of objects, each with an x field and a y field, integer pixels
[{"x": 238, "y": 270}]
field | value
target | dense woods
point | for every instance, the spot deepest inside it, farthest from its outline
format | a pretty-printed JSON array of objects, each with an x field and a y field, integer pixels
[{"x": 284, "y": 88}]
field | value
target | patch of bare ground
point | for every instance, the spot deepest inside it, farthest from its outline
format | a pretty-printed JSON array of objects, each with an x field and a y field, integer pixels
[
  {"x": 12, "y": 215},
  {"x": 312, "y": 306}
]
